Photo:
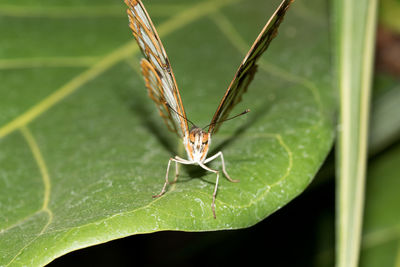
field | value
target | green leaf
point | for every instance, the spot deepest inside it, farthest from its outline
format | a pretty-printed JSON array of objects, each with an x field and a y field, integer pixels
[
  {"x": 355, "y": 24},
  {"x": 83, "y": 149},
  {"x": 380, "y": 246}
]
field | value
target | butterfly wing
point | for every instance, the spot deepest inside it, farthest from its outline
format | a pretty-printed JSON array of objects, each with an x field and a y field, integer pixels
[
  {"x": 156, "y": 69},
  {"x": 156, "y": 92},
  {"x": 248, "y": 67}
]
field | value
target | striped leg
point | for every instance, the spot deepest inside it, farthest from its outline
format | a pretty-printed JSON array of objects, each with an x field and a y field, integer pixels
[
  {"x": 219, "y": 154},
  {"x": 177, "y": 160},
  {"x": 215, "y": 188}
]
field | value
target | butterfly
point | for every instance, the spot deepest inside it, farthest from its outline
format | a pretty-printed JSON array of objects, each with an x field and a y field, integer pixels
[{"x": 163, "y": 90}]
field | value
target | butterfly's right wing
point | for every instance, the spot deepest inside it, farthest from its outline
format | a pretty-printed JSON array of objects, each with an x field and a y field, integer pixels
[
  {"x": 156, "y": 69},
  {"x": 248, "y": 67}
]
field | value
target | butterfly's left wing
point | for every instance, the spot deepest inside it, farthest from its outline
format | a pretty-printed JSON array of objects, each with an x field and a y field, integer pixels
[
  {"x": 248, "y": 67},
  {"x": 157, "y": 71}
]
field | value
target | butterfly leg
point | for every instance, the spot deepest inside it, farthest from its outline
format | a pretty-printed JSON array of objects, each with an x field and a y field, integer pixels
[
  {"x": 182, "y": 161},
  {"x": 177, "y": 160},
  {"x": 215, "y": 188},
  {"x": 176, "y": 172},
  {"x": 219, "y": 154}
]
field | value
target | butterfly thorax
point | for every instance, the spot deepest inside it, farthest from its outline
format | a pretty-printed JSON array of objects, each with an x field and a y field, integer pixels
[{"x": 197, "y": 144}]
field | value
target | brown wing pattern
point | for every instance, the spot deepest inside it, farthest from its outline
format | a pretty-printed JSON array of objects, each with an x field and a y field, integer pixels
[
  {"x": 156, "y": 92},
  {"x": 156, "y": 68},
  {"x": 248, "y": 67}
]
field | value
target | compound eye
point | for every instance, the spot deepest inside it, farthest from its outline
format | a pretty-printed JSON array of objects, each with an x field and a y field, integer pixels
[
  {"x": 192, "y": 138},
  {"x": 205, "y": 139}
]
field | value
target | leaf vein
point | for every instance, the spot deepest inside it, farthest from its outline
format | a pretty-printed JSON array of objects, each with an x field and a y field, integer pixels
[
  {"x": 37, "y": 155},
  {"x": 42, "y": 62}
]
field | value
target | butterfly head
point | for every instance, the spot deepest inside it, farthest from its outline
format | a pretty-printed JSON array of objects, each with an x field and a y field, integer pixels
[{"x": 197, "y": 143}]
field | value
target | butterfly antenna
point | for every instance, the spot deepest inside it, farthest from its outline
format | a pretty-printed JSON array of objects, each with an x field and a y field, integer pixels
[
  {"x": 186, "y": 119},
  {"x": 240, "y": 114}
]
